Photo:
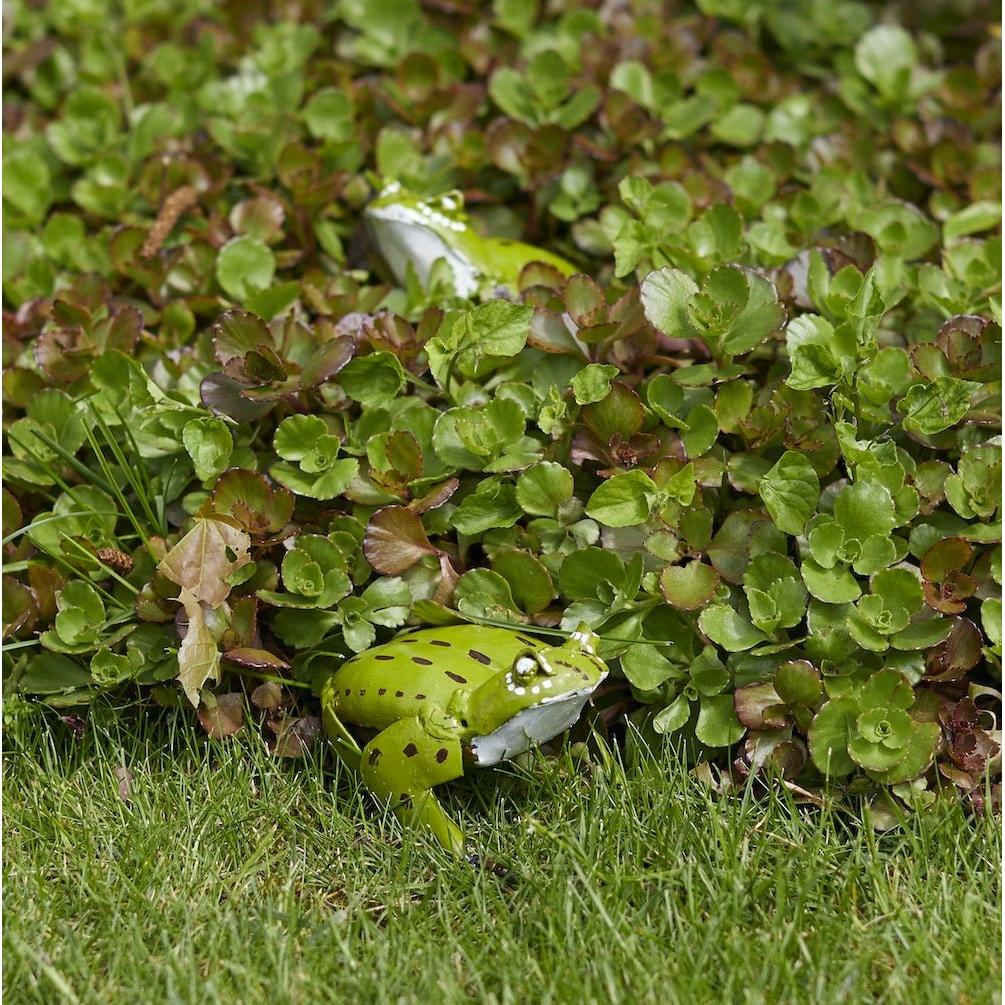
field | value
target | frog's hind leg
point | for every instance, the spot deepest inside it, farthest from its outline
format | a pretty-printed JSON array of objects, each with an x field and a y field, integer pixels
[{"x": 401, "y": 765}]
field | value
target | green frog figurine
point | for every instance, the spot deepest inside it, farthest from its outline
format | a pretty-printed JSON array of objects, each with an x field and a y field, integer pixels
[
  {"x": 444, "y": 699},
  {"x": 416, "y": 232}
]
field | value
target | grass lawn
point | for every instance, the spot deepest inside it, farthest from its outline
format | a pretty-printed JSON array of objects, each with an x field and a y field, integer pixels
[{"x": 231, "y": 876}]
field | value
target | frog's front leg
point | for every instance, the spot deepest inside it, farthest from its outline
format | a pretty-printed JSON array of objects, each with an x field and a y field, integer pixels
[
  {"x": 401, "y": 765},
  {"x": 341, "y": 739}
]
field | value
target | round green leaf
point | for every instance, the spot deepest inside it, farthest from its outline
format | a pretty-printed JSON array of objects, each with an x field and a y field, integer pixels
[
  {"x": 593, "y": 382},
  {"x": 690, "y": 586},
  {"x": 873, "y": 756},
  {"x": 790, "y": 491},
  {"x": 542, "y": 488},
  {"x": 885, "y": 56},
  {"x": 245, "y": 266},
  {"x": 665, "y": 297},
  {"x": 930, "y": 408},
  {"x": 209, "y": 443},
  {"x": 296, "y": 435},
  {"x": 726, "y": 628},
  {"x": 922, "y": 634},
  {"x": 865, "y": 509},
  {"x": 586, "y": 570},
  {"x": 832, "y": 728},
  {"x": 373, "y": 380},
  {"x": 329, "y": 115},
  {"x": 492, "y": 505},
  {"x": 51, "y": 673},
  {"x": 703, "y": 428},
  {"x": 623, "y": 500},
  {"x": 486, "y": 594},
  {"x": 718, "y": 724},
  {"x": 900, "y": 590},
  {"x": 798, "y": 683},
  {"x": 915, "y": 756},
  {"x": 887, "y": 689},
  {"x": 832, "y": 586},
  {"x": 528, "y": 579},
  {"x": 647, "y": 668},
  {"x": 673, "y": 717}
]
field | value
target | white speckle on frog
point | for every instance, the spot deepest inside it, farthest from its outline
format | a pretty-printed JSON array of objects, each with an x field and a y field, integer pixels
[
  {"x": 535, "y": 689},
  {"x": 546, "y": 684}
]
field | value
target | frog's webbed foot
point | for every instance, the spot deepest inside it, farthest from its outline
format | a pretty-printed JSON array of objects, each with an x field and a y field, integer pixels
[
  {"x": 401, "y": 765},
  {"x": 423, "y": 810}
]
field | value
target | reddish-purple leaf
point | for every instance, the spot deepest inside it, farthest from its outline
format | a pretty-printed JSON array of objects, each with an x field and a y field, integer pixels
[
  {"x": 236, "y": 333},
  {"x": 256, "y": 659},
  {"x": 395, "y": 540},
  {"x": 327, "y": 361}
]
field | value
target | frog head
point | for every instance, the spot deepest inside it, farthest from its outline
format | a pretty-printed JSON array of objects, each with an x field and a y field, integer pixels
[
  {"x": 411, "y": 230},
  {"x": 539, "y": 696}
]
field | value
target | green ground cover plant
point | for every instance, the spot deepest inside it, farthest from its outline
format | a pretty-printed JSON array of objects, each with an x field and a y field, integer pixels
[{"x": 754, "y": 442}]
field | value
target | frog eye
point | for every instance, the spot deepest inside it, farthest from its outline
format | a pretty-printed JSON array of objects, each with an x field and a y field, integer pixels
[
  {"x": 585, "y": 638},
  {"x": 451, "y": 201},
  {"x": 525, "y": 667}
]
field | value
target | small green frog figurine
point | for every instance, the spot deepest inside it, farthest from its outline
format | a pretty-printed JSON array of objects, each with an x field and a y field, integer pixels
[
  {"x": 412, "y": 231},
  {"x": 442, "y": 699}
]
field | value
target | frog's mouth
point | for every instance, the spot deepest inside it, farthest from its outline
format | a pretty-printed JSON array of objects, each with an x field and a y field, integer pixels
[
  {"x": 403, "y": 240},
  {"x": 531, "y": 726}
]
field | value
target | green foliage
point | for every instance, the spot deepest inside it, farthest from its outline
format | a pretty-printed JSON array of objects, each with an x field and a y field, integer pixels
[
  {"x": 754, "y": 443},
  {"x": 245, "y": 266},
  {"x": 314, "y": 575},
  {"x": 872, "y": 727},
  {"x": 542, "y": 94},
  {"x": 316, "y": 472}
]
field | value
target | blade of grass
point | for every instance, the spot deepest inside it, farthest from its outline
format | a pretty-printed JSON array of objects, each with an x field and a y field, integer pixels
[
  {"x": 52, "y": 519},
  {"x": 9, "y": 646},
  {"x": 135, "y": 473},
  {"x": 82, "y": 469},
  {"x": 118, "y": 493},
  {"x": 74, "y": 572}
]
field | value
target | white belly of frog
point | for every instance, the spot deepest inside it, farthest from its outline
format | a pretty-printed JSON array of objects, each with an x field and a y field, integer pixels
[
  {"x": 403, "y": 240},
  {"x": 530, "y": 727}
]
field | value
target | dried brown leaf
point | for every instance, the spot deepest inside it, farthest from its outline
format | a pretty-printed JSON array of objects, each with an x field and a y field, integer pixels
[
  {"x": 297, "y": 737},
  {"x": 224, "y": 717},
  {"x": 267, "y": 696},
  {"x": 200, "y": 562},
  {"x": 124, "y": 777},
  {"x": 198, "y": 657},
  {"x": 448, "y": 580}
]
